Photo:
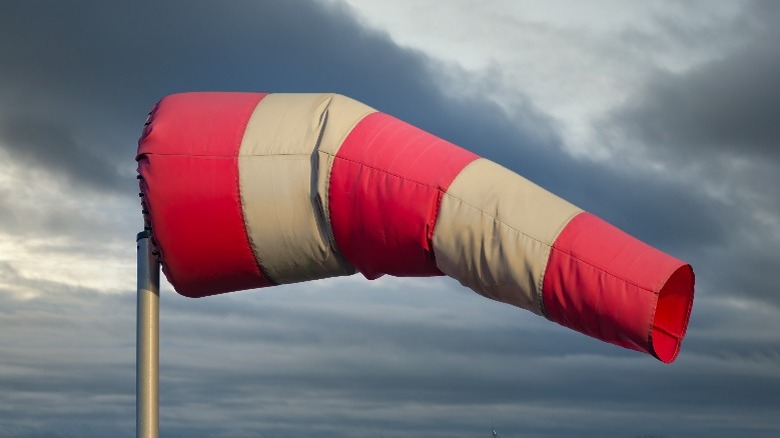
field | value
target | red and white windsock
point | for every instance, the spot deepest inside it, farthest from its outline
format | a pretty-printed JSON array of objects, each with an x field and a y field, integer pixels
[{"x": 248, "y": 190}]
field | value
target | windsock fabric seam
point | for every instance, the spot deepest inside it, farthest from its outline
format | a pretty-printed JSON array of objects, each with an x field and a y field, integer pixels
[
  {"x": 263, "y": 271},
  {"x": 288, "y": 154},
  {"x": 687, "y": 312},
  {"x": 360, "y": 163},
  {"x": 324, "y": 204},
  {"x": 194, "y": 154},
  {"x": 496, "y": 219},
  {"x": 540, "y": 284},
  {"x": 654, "y": 307},
  {"x": 615, "y": 276},
  {"x": 439, "y": 203},
  {"x": 324, "y": 196}
]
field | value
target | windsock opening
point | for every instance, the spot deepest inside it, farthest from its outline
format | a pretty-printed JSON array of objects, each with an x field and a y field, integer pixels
[{"x": 672, "y": 314}]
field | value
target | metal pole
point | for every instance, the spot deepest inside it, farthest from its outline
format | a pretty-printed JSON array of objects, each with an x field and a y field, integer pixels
[{"x": 147, "y": 338}]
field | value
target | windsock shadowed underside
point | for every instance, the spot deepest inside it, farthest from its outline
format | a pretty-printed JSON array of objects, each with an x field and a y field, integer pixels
[{"x": 249, "y": 190}]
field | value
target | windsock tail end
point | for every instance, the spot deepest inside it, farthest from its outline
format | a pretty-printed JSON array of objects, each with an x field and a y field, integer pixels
[
  {"x": 672, "y": 314},
  {"x": 606, "y": 284}
]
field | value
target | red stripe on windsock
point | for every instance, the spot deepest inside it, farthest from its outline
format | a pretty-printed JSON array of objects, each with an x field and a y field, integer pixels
[
  {"x": 604, "y": 283},
  {"x": 385, "y": 190},
  {"x": 188, "y": 159}
]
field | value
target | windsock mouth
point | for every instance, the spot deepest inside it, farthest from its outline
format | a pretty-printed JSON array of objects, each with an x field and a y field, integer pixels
[{"x": 672, "y": 312}]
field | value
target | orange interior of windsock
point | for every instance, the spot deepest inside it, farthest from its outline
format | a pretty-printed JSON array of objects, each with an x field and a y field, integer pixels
[{"x": 672, "y": 313}]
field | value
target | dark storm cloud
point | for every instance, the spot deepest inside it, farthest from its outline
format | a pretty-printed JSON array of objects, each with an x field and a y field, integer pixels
[
  {"x": 727, "y": 106},
  {"x": 66, "y": 218},
  {"x": 117, "y": 61},
  {"x": 40, "y": 143}
]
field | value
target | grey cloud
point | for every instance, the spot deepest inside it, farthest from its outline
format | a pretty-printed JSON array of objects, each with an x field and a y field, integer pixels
[
  {"x": 48, "y": 144},
  {"x": 67, "y": 360},
  {"x": 726, "y": 106},
  {"x": 746, "y": 267},
  {"x": 69, "y": 363},
  {"x": 69, "y": 219}
]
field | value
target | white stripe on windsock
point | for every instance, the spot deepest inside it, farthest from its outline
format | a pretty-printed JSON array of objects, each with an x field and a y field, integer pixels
[{"x": 279, "y": 181}]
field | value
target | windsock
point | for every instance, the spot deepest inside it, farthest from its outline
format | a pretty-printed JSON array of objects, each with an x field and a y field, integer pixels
[{"x": 249, "y": 190}]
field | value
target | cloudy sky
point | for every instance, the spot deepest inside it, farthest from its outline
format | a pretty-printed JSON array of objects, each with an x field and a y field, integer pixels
[{"x": 661, "y": 117}]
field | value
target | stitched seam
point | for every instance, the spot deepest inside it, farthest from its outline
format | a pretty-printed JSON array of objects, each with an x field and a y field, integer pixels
[
  {"x": 219, "y": 156},
  {"x": 407, "y": 179},
  {"x": 326, "y": 198},
  {"x": 496, "y": 219},
  {"x": 263, "y": 272},
  {"x": 540, "y": 285},
  {"x": 439, "y": 202},
  {"x": 554, "y": 248}
]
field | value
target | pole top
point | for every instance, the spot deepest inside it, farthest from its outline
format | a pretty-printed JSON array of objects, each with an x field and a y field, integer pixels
[{"x": 142, "y": 235}]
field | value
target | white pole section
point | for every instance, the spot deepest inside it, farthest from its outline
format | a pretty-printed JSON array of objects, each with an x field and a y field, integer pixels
[{"x": 147, "y": 347}]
